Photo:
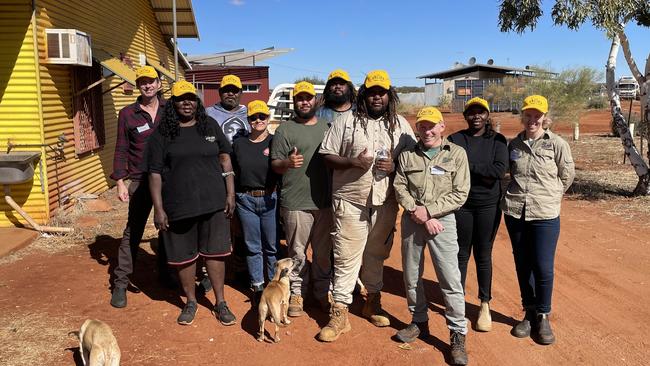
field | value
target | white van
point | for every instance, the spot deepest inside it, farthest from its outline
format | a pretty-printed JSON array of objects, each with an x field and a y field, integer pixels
[{"x": 281, "y": 103}]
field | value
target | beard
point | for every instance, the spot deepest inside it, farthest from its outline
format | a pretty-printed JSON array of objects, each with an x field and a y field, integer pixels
[
  {"x": 306, "y": 115},
  {"x": 333, "y": 100}
]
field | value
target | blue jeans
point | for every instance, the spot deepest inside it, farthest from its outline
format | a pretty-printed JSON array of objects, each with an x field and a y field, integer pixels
[
  {"x": 533, "y": 247},
  {"x": 258, "y": 221}
]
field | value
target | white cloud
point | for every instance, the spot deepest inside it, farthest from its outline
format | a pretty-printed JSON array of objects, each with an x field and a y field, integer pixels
[{"x": 237, "y": 2}]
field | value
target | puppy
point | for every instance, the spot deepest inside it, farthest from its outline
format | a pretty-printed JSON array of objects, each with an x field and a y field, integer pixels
[
  {"x": 97, "y": 344},
  {"x": 275, "y": 299}
]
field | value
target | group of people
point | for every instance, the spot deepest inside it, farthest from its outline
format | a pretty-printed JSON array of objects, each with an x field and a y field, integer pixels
[{"x": 334, "y": 176}]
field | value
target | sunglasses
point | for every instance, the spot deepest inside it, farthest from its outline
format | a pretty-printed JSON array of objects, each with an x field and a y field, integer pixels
[{"x": 256, "y": 118}]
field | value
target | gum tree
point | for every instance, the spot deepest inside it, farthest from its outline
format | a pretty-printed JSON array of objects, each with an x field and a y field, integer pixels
[{"x": 611, "y": 16}]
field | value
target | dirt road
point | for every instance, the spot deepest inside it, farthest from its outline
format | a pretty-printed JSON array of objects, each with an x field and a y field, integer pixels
[{"x": 600, "y": 307}]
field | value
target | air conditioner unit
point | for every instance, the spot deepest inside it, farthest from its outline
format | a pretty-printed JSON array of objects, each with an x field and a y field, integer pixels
[{"x": 68, "y": 47}]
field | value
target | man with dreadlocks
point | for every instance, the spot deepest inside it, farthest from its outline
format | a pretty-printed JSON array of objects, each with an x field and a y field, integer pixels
[
  {"x": 363, "y": 200},
  {"x": 339, "y": 97}
]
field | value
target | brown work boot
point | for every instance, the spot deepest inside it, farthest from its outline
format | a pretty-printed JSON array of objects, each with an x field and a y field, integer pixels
[
  {"x": 484, "y": 322},
  {"x": 372, "y": 310},
  {"x": 458, "y": 353},
  {"x": 295, "y": 306},
  {"x": 337, "y": 325}
]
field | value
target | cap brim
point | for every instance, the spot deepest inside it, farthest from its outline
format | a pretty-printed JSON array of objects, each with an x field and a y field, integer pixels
[{"x": 535, "y": 108}]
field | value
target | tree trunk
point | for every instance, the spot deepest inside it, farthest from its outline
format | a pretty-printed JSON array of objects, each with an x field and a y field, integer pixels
[{"x": 620, "y": 124}]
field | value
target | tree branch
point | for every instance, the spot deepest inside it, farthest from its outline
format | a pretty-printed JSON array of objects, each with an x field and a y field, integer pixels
[{"x": 625, "y": 44}]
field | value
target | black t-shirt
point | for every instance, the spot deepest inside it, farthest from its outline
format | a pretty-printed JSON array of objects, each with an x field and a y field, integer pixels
[
  {"x": 192, "y": 184},
  {"x": 252, "y": 164},
  {"x": 488, "y": 163}
]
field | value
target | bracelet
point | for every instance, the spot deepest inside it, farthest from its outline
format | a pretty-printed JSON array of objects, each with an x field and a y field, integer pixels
[{"x": 225, "y": 174}]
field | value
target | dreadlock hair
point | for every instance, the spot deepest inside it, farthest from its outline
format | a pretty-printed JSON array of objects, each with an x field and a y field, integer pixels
[
  {"x": 327, "y": 93},
  {"x": 390, "y": 115},
  {"x": 169, "y": 123},
  {"x": 489, "y": 130}
]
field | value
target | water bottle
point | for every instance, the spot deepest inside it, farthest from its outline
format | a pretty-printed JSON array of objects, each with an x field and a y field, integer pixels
[{"x": 381, "y": 154}]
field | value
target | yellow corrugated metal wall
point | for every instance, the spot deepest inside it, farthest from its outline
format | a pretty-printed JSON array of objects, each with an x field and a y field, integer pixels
[
  {"x": 19, "y": 107},
  {"x": 119, "y": 27}
]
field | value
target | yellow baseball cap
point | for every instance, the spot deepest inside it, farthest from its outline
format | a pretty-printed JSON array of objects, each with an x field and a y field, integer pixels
[
  {"x": 536, "y": 102},
  {"x": 431, "y": 114},
  {"x": 477, "y": 101},
  {"x": 339, "y": 73},
  {"x": 183, "y": 87},
  {"x": 258, "y": 106},
  {"x": 230, "y": 80},
  {"x": 146, "y": 72},
  {"x": 377, "y": 78},
  {"x": 304, "y": 87}
]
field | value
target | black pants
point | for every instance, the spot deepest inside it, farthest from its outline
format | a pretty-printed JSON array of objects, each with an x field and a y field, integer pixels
[
  {"x": 477, "y": 228},
  {"x": 139, "y": 208}
]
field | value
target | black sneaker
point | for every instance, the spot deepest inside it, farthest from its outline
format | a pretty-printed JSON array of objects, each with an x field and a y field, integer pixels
[
  {"x": 188, "y": 313},
  {"x": 225, "y": 316},
  {"x": 413, "y": 331},
  {"x": 118, "y": 298},
  {"x": 544, "y": 332},
  {"x": 458, "y": 353},
  {"x": 205, "y": 285}
]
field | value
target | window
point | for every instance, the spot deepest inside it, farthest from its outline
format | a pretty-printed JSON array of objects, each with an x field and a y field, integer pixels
[
  {"x": 88, "y": 109},
  {"x": 250, "y": 88}
]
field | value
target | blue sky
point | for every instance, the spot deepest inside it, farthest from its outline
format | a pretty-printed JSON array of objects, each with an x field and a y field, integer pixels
[{"x": 406, "y": 38}]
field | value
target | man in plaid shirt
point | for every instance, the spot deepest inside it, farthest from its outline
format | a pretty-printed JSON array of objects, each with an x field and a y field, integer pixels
[{"x": 135, "y": 123}]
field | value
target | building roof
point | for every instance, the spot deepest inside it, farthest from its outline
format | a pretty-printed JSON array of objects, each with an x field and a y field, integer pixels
[
  {"x": 185, "y": 21},
  {"x": 238, "y": 57},
  {"x": 466, "y": 69}
]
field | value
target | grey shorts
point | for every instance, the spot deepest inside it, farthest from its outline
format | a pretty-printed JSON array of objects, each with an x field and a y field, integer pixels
[{"x": 206, "y": 235}]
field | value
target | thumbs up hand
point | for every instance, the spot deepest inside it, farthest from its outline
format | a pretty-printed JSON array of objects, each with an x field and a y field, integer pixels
[
  {"x": 364, "y": 160},
  {"x": 295, "y": 159}
]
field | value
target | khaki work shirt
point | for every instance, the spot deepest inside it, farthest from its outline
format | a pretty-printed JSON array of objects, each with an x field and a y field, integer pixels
[
  {"x": 347, "y": 138},
  {"x": 441, "y": 184},
  {"x": 539, "y": 176}
]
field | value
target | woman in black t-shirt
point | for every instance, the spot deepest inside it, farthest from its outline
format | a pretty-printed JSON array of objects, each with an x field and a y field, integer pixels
[
  {"x": 256, "y": 198},
  {"x": 478, "y": 219},
  {"x": 188, "y": 158}
]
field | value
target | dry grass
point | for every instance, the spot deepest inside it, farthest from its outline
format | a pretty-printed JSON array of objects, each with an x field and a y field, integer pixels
[
  {"x": 602, "y": 176},
  {"x": 32, "y": 338}
]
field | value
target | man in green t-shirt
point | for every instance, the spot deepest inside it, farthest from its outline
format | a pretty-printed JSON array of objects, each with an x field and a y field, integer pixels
[{"x": 305, "y": 198}]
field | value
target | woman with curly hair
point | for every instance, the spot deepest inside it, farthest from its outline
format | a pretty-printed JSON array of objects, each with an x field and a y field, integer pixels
[
  {"x": 188, "y": 160},
  {"x": 478, "y": 219}
]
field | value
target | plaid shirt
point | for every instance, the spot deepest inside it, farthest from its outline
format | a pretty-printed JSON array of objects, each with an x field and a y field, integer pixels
[{"x": 134, "y": 126}]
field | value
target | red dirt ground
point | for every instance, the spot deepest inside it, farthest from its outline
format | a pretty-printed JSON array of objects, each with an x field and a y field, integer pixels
[{"x": 600, "y": 306}]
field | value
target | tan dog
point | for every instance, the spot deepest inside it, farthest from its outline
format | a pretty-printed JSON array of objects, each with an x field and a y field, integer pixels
[
  {"x": 97, "y": 344},
  {"x": 275, "y": 299}
]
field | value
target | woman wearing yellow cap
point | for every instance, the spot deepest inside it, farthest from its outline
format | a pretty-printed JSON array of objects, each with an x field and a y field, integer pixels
[
  {"x": 541, "y": 170},
  {"x": 479, "y": 218},
  {"x": 189, "y": 156},
  {"x": 255, "y": 183}
]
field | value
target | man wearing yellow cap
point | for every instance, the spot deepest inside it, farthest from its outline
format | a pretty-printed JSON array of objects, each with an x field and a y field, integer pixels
[
  {"x": 339, "y": 96},
  {"x": 230, "y": 115},
  {"x": 361, "y": 148},
  {"x": 432, "y": 182},
  {"x": 135, "y": 123},
  {"x": 305, "y": 198}
]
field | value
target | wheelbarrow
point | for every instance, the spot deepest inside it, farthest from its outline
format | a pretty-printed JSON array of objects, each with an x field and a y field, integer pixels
[{"x": 17, "y": 167}]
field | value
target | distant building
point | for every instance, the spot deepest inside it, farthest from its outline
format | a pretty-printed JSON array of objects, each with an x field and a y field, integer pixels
[
  {"x": 206, "y": 78},
  {"x": 464, "y": 82}
]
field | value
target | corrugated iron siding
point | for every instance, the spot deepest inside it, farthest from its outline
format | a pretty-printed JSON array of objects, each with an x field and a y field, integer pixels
[
  {"x": 119, "y": 27},
  {"x": 19, "y": 113}
]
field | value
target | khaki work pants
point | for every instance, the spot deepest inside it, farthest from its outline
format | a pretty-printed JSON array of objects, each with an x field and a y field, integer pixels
[
  {"x": 302, "y": 228},
  {"x": 363, "y": 235}
]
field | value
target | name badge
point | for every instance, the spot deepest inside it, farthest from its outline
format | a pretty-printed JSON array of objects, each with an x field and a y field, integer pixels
[
  {"x": 436, "y": 170},
  {"x": 515, "y": 154},
  {"x": 144, "y": 127}
]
